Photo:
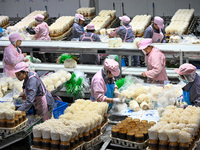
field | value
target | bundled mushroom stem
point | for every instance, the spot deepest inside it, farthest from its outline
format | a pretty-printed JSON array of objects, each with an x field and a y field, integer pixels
[
  {"x": 81, "y": 117},
  {"x": 46, "y": 132},
  {"x": 27, "y": 21},
  {"x": 180, "y": 21},
  {"x": 153, "y": 134},
  {"x": 144, "y": 105},
  {"x": 162, "y": 135},
  {"x": 184, "y": 137},
  {"x": 177, "y": 124},
  {"x": 189, "y": 130},
  {"x": 54, "y": 80},
  {"x": 173, "y": 135},
  {"x": 37, "y": 133},
  {"x": 134, "y": 105},
  {"x": 66, "y": 135}
]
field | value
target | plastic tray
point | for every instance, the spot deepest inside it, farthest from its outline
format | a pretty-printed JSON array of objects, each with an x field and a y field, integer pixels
[
  {"x": 92, "y": 142},
  {"x": 129, "y": 144},
  {"x": 7, "y": 131},
  {"x": 103, "y": 128},
  {"x": 79, "y": 147},
  {"x": 61, "y": 106}
]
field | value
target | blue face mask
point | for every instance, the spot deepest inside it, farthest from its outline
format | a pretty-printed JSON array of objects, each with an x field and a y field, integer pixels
[
  {"x": 185, "y": 81},
  {"x": 182, "y": 80}
]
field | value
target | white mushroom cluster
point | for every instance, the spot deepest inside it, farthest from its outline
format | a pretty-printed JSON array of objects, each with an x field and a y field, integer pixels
[
  {"x": 7, "y": 111},
  {"x": 104, "y": 13},
  {"x": 86, "y": 11},
  {"x": 176, "y": 124},
  {"x": 180, "y": 21},
  {"x": 61, "y": 25},
  {"x": 100, "y": 22},
  {"x": 81, "y": 117},
  {"x": 139, "y": 23},
  {"x": 106, "y": 31},
  {"x": 114, "y": 42},
  {"x": 27, "y": 21},
  {"x": 54, "y": 80},
  {"x": 8, "y": 83},
  {"x": 147, "y": 95},
  {"x": 4, "y": 20}
]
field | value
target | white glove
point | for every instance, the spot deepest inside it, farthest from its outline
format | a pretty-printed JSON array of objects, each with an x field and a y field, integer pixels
[
  {"x": 116, "y": 100},
  {"x": 117, "y": 94}
]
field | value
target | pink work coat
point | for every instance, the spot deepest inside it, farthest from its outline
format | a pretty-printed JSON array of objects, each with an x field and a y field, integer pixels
[
  {"x": 11, "y": 57},
  {"x": 98, "y": 87},
  {"x": 42, "y": 32},
  {"x": 156, "y": 67}
]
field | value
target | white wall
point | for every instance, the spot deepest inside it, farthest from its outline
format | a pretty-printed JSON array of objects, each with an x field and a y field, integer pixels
[
  {"x": 136, "y": 7},
  {"x": 54, "y": 7},
  {"x": 68, "y": 7}
]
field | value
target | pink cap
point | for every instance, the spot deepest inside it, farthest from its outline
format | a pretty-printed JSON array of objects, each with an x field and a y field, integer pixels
[
  {"x": 159, "y": 21},
  {"x": 125, "y": 19},
  {"x": 90, "y": 27},
  {"x": 186, "y": 69},
  {"x": 112, "y": 66},
  {"x": 22, "y": 66},
  {"x": 144, "y": 43},
  {"x": 39, "y": 17},
  {"x": 79, "y": 16},
  {"x": 15, "y": 37}
]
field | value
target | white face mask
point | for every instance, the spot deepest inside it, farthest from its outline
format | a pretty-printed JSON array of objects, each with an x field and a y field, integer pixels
[{"x": 121, "y": 23}]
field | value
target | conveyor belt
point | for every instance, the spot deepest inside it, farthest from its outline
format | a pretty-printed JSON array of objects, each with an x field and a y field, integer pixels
[
  {"x": 92, "y": 69},
  {"x": 165, "y": 47}
]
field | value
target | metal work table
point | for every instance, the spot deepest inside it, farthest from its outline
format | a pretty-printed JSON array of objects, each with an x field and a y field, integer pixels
[
  {"x": 176, "y": 51},
  {"x": 21, "y": 134},
  {"x": 92, "y": 69}
]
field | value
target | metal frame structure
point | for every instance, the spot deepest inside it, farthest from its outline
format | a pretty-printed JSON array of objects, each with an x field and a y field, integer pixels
[{"x": 173, "y": 51}]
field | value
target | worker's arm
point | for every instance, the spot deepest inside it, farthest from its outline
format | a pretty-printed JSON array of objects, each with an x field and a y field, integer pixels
[
  {"x": 31, "y": 91},
  {"x": 30, "y": 31},
  {"x": 78, "y": 29},
  {"x": 97, "y": 39},
  {"x": 164, "y": 38},
  {"x": 99, "y": 91},
  {"x": 148, "y": 33},
  {"x": 196, "y": 101}
]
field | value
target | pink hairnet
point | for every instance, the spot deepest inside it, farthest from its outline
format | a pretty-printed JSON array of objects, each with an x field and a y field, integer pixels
[
  {"x": 144, "y": 43},
  {"x": 90, "y": 27},
  {"x": 112, "y": 66},
  {"x": 125, "y": 19},
  {"x": 22, "y": 66},
  {"x": 15, "y": 37},
  {"x": 186, "y": 69},
  {"x": 39, "y": 17},
  {"x": 159, "y": 21},
  {"x": 79, "y": 16}
]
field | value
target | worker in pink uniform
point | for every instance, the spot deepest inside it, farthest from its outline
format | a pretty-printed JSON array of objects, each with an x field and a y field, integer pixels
[
  {"x": 37, "y": 96},
  {"x": 103, "y": 85},
  {"x": 125, "y": 32},
  {"x": 156, "y": 31},
  {"x": 41, "y": 33},
  {"x": 156, "y": 72},
  {"x": 13, "y": 54}
]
